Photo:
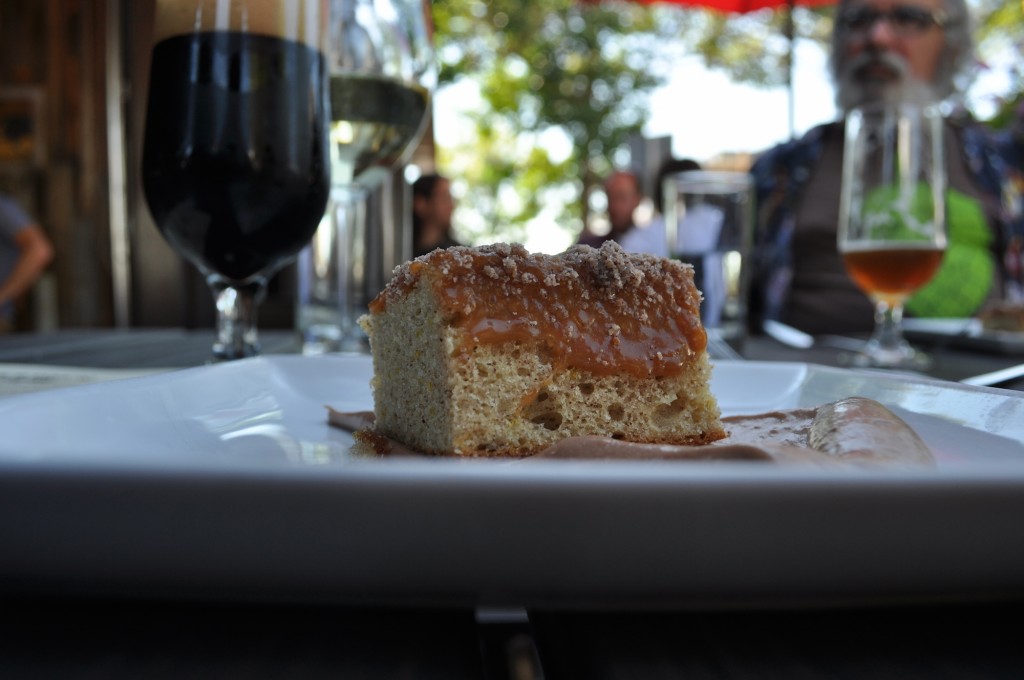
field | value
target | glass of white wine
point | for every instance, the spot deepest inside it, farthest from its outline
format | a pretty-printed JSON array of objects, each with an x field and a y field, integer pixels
[
  {"x": 382, "y": 74},
  {"x": 892, "y": 221}
]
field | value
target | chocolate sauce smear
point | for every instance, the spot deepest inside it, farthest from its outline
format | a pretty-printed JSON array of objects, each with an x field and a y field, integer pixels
[{"x": 854, "y": 431}]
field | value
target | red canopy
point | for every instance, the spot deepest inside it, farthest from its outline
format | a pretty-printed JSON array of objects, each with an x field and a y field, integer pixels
[{"x": 742, "y": 6}]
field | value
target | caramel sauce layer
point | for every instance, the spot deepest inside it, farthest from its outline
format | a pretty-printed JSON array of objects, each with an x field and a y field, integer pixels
[{"x": 600, "y": 310}]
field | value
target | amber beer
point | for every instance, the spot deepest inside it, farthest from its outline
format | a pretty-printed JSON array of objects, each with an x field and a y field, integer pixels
[{"x": 891, "y": 271}]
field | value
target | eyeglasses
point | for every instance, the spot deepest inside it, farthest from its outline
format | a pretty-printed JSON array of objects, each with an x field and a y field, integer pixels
[{"x": 904, "y": 20}]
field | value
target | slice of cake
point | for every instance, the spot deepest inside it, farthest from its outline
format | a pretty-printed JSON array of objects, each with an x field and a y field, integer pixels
[{"x": 494, "y": 351}]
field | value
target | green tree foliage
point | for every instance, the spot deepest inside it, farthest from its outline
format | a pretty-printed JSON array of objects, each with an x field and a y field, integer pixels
[
  {"x": 1001, "y": 31},
  {"x": 546, "y": 69},
  {"x": 753, "y": 48}
]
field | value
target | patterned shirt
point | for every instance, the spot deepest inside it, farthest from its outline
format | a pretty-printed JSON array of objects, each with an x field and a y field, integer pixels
[
  {"x": 798, "y": 277},
  {"x": 1009, "y": 145},
  {"x": 12, "y": 220}
]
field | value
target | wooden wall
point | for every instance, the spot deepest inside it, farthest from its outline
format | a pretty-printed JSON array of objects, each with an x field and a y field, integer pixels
[{"x": 52, "y": 51}]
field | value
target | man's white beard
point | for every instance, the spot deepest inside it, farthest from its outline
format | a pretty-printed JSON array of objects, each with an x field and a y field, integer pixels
[{"x": 855, "y": 88}]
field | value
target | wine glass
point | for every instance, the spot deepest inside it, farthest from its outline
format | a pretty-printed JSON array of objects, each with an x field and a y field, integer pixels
[
  {"x": 382, "y": 73},
  {"x": 235, "y": 165},
  {"x": 892, "y": 222}
]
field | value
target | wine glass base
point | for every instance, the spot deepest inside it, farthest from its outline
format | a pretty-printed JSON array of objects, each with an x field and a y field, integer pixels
[
  {"x": 332, "y": 341},
  {"x": 355, "y": 343},
  {"x": 903, "y": 357},
  {"x": 222, "y": 352}
]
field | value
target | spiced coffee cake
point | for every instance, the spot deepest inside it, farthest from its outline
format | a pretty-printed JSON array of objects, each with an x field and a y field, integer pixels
[{"x": 493, "y": 351}]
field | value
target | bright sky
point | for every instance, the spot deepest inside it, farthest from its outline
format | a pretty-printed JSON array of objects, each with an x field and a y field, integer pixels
[{"x": 707, "y": 114}]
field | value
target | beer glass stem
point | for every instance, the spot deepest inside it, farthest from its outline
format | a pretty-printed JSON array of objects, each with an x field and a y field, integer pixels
[
  {"x": 887, "y": 347},
  {"x": 236, "y": 317},
  {"x": 888, "y": 325}
]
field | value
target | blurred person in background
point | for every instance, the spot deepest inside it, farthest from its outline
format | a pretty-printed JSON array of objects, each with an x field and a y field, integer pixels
[
  {"x": 25, "y": 251},
  {"x": 622, "y": 189},
  {"x": 882, "y": 50},
  {"x": 432, "y": 210},
  {"x": 1010, "y": 149}
]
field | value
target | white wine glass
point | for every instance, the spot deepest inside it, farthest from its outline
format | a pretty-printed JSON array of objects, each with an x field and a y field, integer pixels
[
  {"x": 892, "y": 221},
  {"x": 235, "y": 164},
  {"x": 382, "y": 76}
]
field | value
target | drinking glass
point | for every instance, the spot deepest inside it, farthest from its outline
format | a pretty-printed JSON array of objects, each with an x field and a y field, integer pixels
[
  {"x": 709, "y": 224},
  {"x": 892, "y": 222},
  {"x": 235, "y": 161},
  {"x": 382, "y": 73}
]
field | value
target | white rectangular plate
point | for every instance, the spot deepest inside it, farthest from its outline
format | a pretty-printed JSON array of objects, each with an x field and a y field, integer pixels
[{"x": 226, "y": 482}]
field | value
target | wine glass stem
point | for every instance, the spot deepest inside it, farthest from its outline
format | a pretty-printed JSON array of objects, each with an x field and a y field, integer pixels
[
  {"x": 888, "y": 335},
  {"x": 236, "y": 317},
  {"x": 350, "y": 223}
]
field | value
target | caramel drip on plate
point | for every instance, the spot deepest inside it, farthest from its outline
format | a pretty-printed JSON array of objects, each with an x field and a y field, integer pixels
[{"x": 856, "y": 432}]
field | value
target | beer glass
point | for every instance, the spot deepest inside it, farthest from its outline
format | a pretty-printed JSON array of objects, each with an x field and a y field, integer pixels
[
  {"x": 892, "y": 222},
  {"x": 382, "y": 73},
  {"x": 235, "y": 165}
]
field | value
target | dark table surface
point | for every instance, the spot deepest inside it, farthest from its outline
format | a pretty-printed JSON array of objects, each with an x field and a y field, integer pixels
[
  {"x": 947, "y": 362},
  {"x": 64, "y": 635},
  {"x": 178, "y": 348}
]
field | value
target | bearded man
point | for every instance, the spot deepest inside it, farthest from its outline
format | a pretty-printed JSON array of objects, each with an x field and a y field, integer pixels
[{"x": 882, "y": 50}]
